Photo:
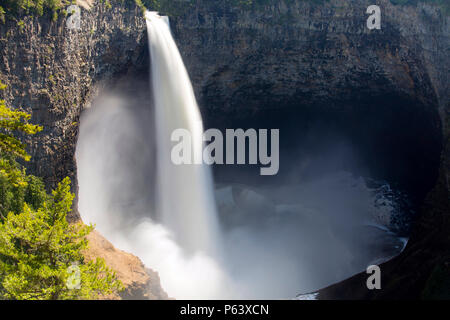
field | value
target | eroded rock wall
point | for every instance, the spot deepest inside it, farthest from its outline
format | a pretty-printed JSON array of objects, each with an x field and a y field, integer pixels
[
  {"x": 54, "y": 72},
  {"x": 292, "y": 54},
  {"x": 295, "y": 54}
]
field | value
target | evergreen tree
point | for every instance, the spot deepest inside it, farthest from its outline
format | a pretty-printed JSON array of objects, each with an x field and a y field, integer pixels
[
  {"x": 15, "y": 186},
  {"x": 41, "y": 254}
]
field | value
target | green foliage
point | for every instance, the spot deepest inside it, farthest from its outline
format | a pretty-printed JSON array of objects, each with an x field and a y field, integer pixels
[
  {"x": 107, "y": 3},
  {"x": 2, "y": 14},
  {"x": 141, "y": 5},
  {"x": 17, "y": 188},
  {"x": 14, "y": 121},
  {"x": 53, "y": 8},
  {"x": 21, "y": 25},
  {"x": 41, "y": 254},
  {"x": 33, "y": 7},
  {"x": 34, "y": 193},
  {"x": 146, "y": 4}
]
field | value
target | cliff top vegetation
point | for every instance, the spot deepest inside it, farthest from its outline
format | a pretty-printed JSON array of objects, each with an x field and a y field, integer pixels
[{"x": 54, "y": 8}]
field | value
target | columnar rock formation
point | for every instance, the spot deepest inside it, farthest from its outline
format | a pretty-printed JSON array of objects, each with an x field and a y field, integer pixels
[
  {"x": 318, "y": 59},
  {"x": 53, "y": 73}
]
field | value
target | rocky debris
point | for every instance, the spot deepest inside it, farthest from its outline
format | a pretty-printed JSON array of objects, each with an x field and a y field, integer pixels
[{"x": 140, "y": 282}]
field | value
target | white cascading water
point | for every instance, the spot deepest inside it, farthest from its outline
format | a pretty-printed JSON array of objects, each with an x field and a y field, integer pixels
[
  {"x": 274, "y": 241},
  {"x": 185, "y": 199},
  {"x": 113, "y": 157}
]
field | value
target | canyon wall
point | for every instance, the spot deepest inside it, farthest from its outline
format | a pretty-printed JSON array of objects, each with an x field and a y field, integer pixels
[
  {"x": 301, "y": 55},
  {"x": 53, "y": 73},
  {"x": 319, "y": 61},
  {"x": 315, "y": 58}
]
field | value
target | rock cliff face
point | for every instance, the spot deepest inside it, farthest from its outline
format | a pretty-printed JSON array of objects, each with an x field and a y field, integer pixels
[
  {"x": 388, "y": 90},
  {"x": 382, "y": 89},
  {"x": 54, "y": 72},
  {"x": 294, "y": 62},
  {"x": 140, "y": 282}
]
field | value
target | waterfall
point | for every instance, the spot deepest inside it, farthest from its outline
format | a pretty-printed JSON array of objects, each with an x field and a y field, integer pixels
[
  {"x": 274, "y": 241},
  {"x": 116, "y": 154},
  {"x": 185, "y": 200}
]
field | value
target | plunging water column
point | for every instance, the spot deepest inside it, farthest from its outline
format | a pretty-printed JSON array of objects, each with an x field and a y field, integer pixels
[
  {"x": 185, "y": 200},
  {"x": 301, "y": 237}
]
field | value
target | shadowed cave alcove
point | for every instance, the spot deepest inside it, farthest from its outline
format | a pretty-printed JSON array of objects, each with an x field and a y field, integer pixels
[
  {"x": 386, "y": 137},
  {"x": 383, "y": 135},
  {"x": 391, "y": 137}
]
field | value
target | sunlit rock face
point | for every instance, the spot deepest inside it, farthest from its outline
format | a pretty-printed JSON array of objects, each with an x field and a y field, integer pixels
[{"x": 140, "y": 283}]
